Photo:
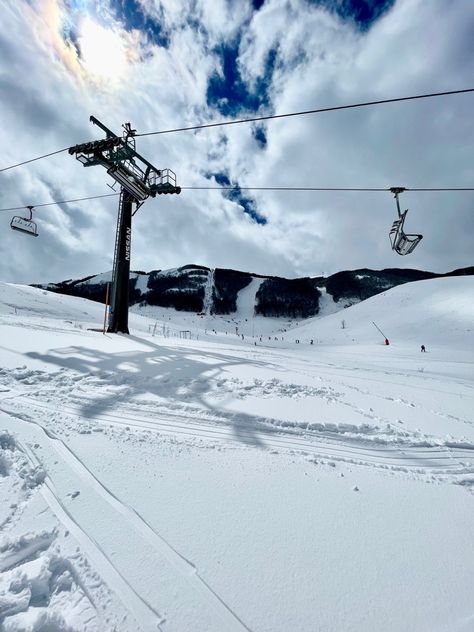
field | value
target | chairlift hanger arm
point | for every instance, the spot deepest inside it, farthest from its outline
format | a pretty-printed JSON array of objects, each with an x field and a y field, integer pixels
[{"x": 396, "y": 192}]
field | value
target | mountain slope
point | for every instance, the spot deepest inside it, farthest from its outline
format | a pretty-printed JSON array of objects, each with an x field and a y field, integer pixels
[
  {"x": 434, "y": 311},
  {"x": 197, "y": 288}
]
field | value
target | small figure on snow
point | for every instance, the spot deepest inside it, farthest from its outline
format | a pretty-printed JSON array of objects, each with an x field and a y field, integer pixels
[
  {"x": 423, "y": 348},
  {"x": 387, "y": 341}
]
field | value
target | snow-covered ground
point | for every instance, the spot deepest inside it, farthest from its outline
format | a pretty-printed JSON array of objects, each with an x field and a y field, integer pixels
[{"x": 238, "y": 480}]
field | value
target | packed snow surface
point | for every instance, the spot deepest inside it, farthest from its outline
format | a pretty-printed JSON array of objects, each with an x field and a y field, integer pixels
[{"x": 238, "y": 473}]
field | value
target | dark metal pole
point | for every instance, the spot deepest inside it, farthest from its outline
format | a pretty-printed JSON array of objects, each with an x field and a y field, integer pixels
[
  {"x": 118, "y": 320},
  {"x": 106, "y": 306},
  {"x": 379, "y": 330}
]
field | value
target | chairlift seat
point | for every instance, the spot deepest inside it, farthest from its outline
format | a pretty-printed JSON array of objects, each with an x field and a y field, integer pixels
[
  {"x": 24, "y": 225},
  {"x": 402, "y": 243}
]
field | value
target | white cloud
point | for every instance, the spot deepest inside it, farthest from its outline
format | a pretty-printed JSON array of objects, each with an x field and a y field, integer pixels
[{"x": 48, "y": 95}]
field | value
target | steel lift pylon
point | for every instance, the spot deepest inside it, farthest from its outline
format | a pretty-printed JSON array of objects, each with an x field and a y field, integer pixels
[{"x": 138, "y": 180}]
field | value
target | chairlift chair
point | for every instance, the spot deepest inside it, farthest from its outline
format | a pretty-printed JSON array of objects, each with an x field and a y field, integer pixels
[
  {"x": 402, "y": 243},
  {"x": 24, "y": 224}
]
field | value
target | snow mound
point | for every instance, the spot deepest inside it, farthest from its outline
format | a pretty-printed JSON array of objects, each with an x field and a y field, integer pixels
[
  {"x": 39, "y": 589},
  {"x": 36, "y": 582},
  {"x": 18, "y": 301},
  {"x": 435, "y": 311}
]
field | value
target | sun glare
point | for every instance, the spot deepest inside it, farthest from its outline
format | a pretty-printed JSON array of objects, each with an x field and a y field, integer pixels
[{"x": 102, "y": 51}]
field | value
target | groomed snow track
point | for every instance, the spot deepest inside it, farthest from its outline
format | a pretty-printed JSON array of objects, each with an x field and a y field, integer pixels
[
  {"x": 109, "y": 537},
  {"x": 443, "y": 459}
]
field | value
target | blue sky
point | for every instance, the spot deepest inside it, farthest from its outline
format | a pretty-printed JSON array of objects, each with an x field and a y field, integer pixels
[{"x": 168, "y": 63}]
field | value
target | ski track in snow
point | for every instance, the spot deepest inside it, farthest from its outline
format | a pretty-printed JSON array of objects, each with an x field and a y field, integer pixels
[
  {"x": 41, "y": 586},
  {"x": 125, "y": 525},
  {"x": 374, "y": 442},
  {"x": 54, "y": 405},
  {"x": 343, "y": 442},
  {"x": 126, "y": 528}
]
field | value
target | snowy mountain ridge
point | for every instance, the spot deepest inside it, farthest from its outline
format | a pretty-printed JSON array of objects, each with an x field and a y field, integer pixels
[{"x": 199, "y": 289}]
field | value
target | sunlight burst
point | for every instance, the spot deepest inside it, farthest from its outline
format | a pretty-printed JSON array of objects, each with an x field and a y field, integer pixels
[{"x": 102, "y": 51}]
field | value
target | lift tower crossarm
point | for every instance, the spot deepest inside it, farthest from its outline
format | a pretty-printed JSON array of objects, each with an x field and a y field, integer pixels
[
  {"x": 96, "y": 121},
  {"x": 133, "y": 152},
  {"x": 125, "y": 165}
]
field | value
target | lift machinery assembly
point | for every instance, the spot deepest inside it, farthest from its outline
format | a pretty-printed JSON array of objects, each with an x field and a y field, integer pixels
[{"x": 138, "y": 180}]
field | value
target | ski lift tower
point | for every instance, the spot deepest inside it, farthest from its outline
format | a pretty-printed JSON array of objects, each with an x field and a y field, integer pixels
[{"x": 138, "y": 180}]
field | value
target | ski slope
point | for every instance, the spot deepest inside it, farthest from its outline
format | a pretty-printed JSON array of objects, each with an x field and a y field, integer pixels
[
  {"x": 238, "y": 481},
  {"x": 437, "y": 312}
]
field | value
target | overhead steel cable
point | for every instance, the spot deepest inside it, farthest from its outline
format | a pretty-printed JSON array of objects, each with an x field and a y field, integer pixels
[
  {"x": 265, "y": 118},
  {"x": 305, "y": 112},
  {"x": 25, "y": 162},
  {"x": 239, "y": 188},
  {"x": 35, "y": 206}
]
